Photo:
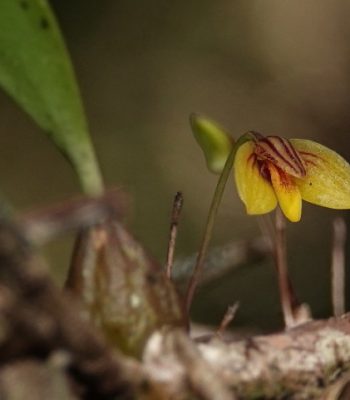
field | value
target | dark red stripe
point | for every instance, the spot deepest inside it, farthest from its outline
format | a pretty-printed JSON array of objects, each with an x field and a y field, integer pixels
[
  {"x": 290, "y": 150},
  {"x": 273, "y": 148}
]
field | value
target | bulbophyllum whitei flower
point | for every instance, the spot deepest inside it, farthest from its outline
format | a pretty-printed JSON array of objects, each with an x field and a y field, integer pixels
[{"x": 272, "y": 170}]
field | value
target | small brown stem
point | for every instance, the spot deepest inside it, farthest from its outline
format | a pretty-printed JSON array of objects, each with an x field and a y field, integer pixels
[
  {"x": 223, "y": 259},
  {"x": 286, "y": 294},
  {"x": 338, "y": 266},
  {"x": 175, "y": 215},
  {"x": 267, "y": 228},
  {"x": 227, "y": 319},
  {"x": 43, "y": 225}
]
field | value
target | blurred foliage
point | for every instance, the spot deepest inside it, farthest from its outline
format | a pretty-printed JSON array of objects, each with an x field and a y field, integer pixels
[{"x": 36, "y": 71}]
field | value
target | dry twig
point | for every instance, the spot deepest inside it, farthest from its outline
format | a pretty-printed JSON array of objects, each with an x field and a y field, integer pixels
[
  {"x": 227, "y": 319},
  {"x": 221, "y": 260},
  {"x": 41, "y": 226},
  {"x": 175, "y": 215}
]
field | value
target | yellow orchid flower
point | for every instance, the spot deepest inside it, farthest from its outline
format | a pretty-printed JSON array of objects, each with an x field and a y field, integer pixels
[
  {"x": 272, "y": 170},
  {"x": 269, "y": 171}
]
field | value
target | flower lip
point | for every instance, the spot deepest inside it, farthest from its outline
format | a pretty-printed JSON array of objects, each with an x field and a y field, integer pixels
[
  {"x": 264, "y": 170},
  {"x": 281, "y": 153}
]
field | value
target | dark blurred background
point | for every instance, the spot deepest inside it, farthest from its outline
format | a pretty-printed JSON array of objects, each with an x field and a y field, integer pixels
[{"x": 143, "y": 67}]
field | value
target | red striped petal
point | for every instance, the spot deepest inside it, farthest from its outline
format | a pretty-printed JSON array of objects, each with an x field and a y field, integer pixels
[{"x": 282, "y": 154}]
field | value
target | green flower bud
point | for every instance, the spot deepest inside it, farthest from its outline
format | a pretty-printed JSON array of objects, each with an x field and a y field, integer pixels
[{"x": 213, "y": 140}]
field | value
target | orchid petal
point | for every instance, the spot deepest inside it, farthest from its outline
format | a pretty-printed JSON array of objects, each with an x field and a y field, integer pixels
[
  {"x": 287, "y": 192},
  {"x": 280, "y": 152},
  {"x": 255, "y": 191},
  {"x": 327, "y": 181}
]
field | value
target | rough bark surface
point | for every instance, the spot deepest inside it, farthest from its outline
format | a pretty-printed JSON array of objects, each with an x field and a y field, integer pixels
[
  {"x": 297, "y": 364},
  {"x": 48, "y": 350}
]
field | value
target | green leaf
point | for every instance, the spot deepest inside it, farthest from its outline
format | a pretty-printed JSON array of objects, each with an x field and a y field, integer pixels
[{"x": 36, "y": 71}]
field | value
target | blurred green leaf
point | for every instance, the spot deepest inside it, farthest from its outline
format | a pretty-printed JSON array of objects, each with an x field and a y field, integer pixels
[{"x": 35, "y": 70}]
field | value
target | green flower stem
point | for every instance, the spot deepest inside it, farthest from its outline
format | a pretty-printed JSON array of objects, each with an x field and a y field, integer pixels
[{"x": 219, "y": 190}]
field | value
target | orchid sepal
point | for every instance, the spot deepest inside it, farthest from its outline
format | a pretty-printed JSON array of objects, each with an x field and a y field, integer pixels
[{"x": 327, "y": 182}]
